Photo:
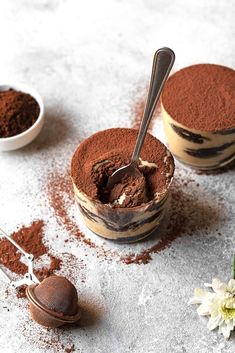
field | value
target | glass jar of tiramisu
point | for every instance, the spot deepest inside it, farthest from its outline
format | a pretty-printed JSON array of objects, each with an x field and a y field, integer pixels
[
  {"x": 198, "y": 107},
  {"x": 134, "y": 207}
]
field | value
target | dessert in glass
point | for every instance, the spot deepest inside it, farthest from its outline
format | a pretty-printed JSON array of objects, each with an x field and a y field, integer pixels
[
  {"x": 198, "y": 107},
  {"x": 133, "y": 208}
]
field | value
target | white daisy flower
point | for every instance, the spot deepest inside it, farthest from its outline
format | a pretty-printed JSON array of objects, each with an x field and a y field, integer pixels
[{"x": 218, "y": 305}]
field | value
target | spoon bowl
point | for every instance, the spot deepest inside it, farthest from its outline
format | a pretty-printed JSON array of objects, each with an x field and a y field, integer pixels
[{"x": 130, "y": 170}]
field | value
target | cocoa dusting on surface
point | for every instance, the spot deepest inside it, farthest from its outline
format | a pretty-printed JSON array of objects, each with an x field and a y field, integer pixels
[
  {"x": 71, "y": 262},
  {"x": 175, "y": 229},
  {"x": 91, "y": 155},
  {"x": 55, "y": 265},
  {"x": 31, "y": 240},
  {"x": 61, "y": 199},
  {"x": 202, "y": 97},
  {"x": 48, "y": 339},
  {"x": 181, "y": 215},
  {"x": 187, "y": 214},
  {"x": 18, "y": 112}
]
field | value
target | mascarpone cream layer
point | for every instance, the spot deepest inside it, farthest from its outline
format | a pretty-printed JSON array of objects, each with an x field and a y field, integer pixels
[{"x": 200, "y": 149}]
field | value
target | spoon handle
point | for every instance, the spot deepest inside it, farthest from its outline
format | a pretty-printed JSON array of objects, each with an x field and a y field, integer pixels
[{"x": 162, "y": 64}]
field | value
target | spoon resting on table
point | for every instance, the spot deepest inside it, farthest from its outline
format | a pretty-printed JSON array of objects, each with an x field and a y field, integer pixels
[{"x": 162, "y": 64}]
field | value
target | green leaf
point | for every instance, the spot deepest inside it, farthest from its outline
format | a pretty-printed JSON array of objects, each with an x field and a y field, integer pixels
[{"x": 233, "y": 267}]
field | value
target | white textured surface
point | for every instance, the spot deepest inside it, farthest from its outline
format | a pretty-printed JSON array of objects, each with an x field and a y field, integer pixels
[{"x": 88, "y": 59}]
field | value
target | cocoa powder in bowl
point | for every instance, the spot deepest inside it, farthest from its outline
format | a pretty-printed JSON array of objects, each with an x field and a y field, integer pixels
[
  {"x": 201, "y": 97},
  {"x": 18, "y": 112}
]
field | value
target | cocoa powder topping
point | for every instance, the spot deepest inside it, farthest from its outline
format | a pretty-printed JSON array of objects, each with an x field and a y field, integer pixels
[
  {"x": 101, "y": 154},
  {"x": 129, "y": 192},
  {"x": 202, "y": 97}
]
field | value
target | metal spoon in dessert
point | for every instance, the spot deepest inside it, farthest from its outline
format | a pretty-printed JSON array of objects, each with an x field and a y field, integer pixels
[{"x": 162, "y": 64}]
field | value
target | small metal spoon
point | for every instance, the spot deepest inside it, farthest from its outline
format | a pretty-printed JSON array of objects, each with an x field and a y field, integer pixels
[{"x": 162, "y": 64}]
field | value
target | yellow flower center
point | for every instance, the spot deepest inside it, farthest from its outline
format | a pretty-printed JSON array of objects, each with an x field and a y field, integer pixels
[{"x": 227, "y": 313}]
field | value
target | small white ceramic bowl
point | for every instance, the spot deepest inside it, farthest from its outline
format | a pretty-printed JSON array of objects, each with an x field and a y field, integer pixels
[{"x": 23, "y": 139}]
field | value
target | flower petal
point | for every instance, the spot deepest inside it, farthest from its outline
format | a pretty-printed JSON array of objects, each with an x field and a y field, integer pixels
[
  {"x": 203, "y": 310},
  {"x": 231, "y": 284},
  {"x": 225, "y": 330},
  {"x": 194, "y": 300},
  {"x": 213, "y": 322},
  {"x": 199, "y": 296},
  {"x": 218, "y": 304},
  {"x": 201, "y": 293},
  {"x": 230, "y": 324},
  {"x": 209, "y": 285},
  {"x": 218, "y": 286}
]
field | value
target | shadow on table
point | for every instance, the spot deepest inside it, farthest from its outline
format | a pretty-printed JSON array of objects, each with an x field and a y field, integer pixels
[
  {"x": 54, "y": 133},
  {"x": 91, "y": 314},
  {"x": 188, "y": 214}
]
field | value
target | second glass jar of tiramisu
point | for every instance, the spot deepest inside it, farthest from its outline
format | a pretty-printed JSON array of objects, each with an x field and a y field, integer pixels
[{"x": 198, "y": 107}]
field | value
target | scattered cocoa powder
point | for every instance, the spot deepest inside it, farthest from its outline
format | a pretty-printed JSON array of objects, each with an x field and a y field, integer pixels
[
  {"x": 20, "y": 292},
  {"x": 187, "y": 214},
  {"x": 175, "y": 229},
  {"x": 31, "y": 240},
  {"x": 202, "y": 97},
  {"x": 18, "y": 112},
  {"x": 55, "y": 265},
  {"x": 71, "y": 262},
  {"x": 61, "y": 199},
  {"x": 56, "y": 340},
  {"x": 182, "y": 217}
]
